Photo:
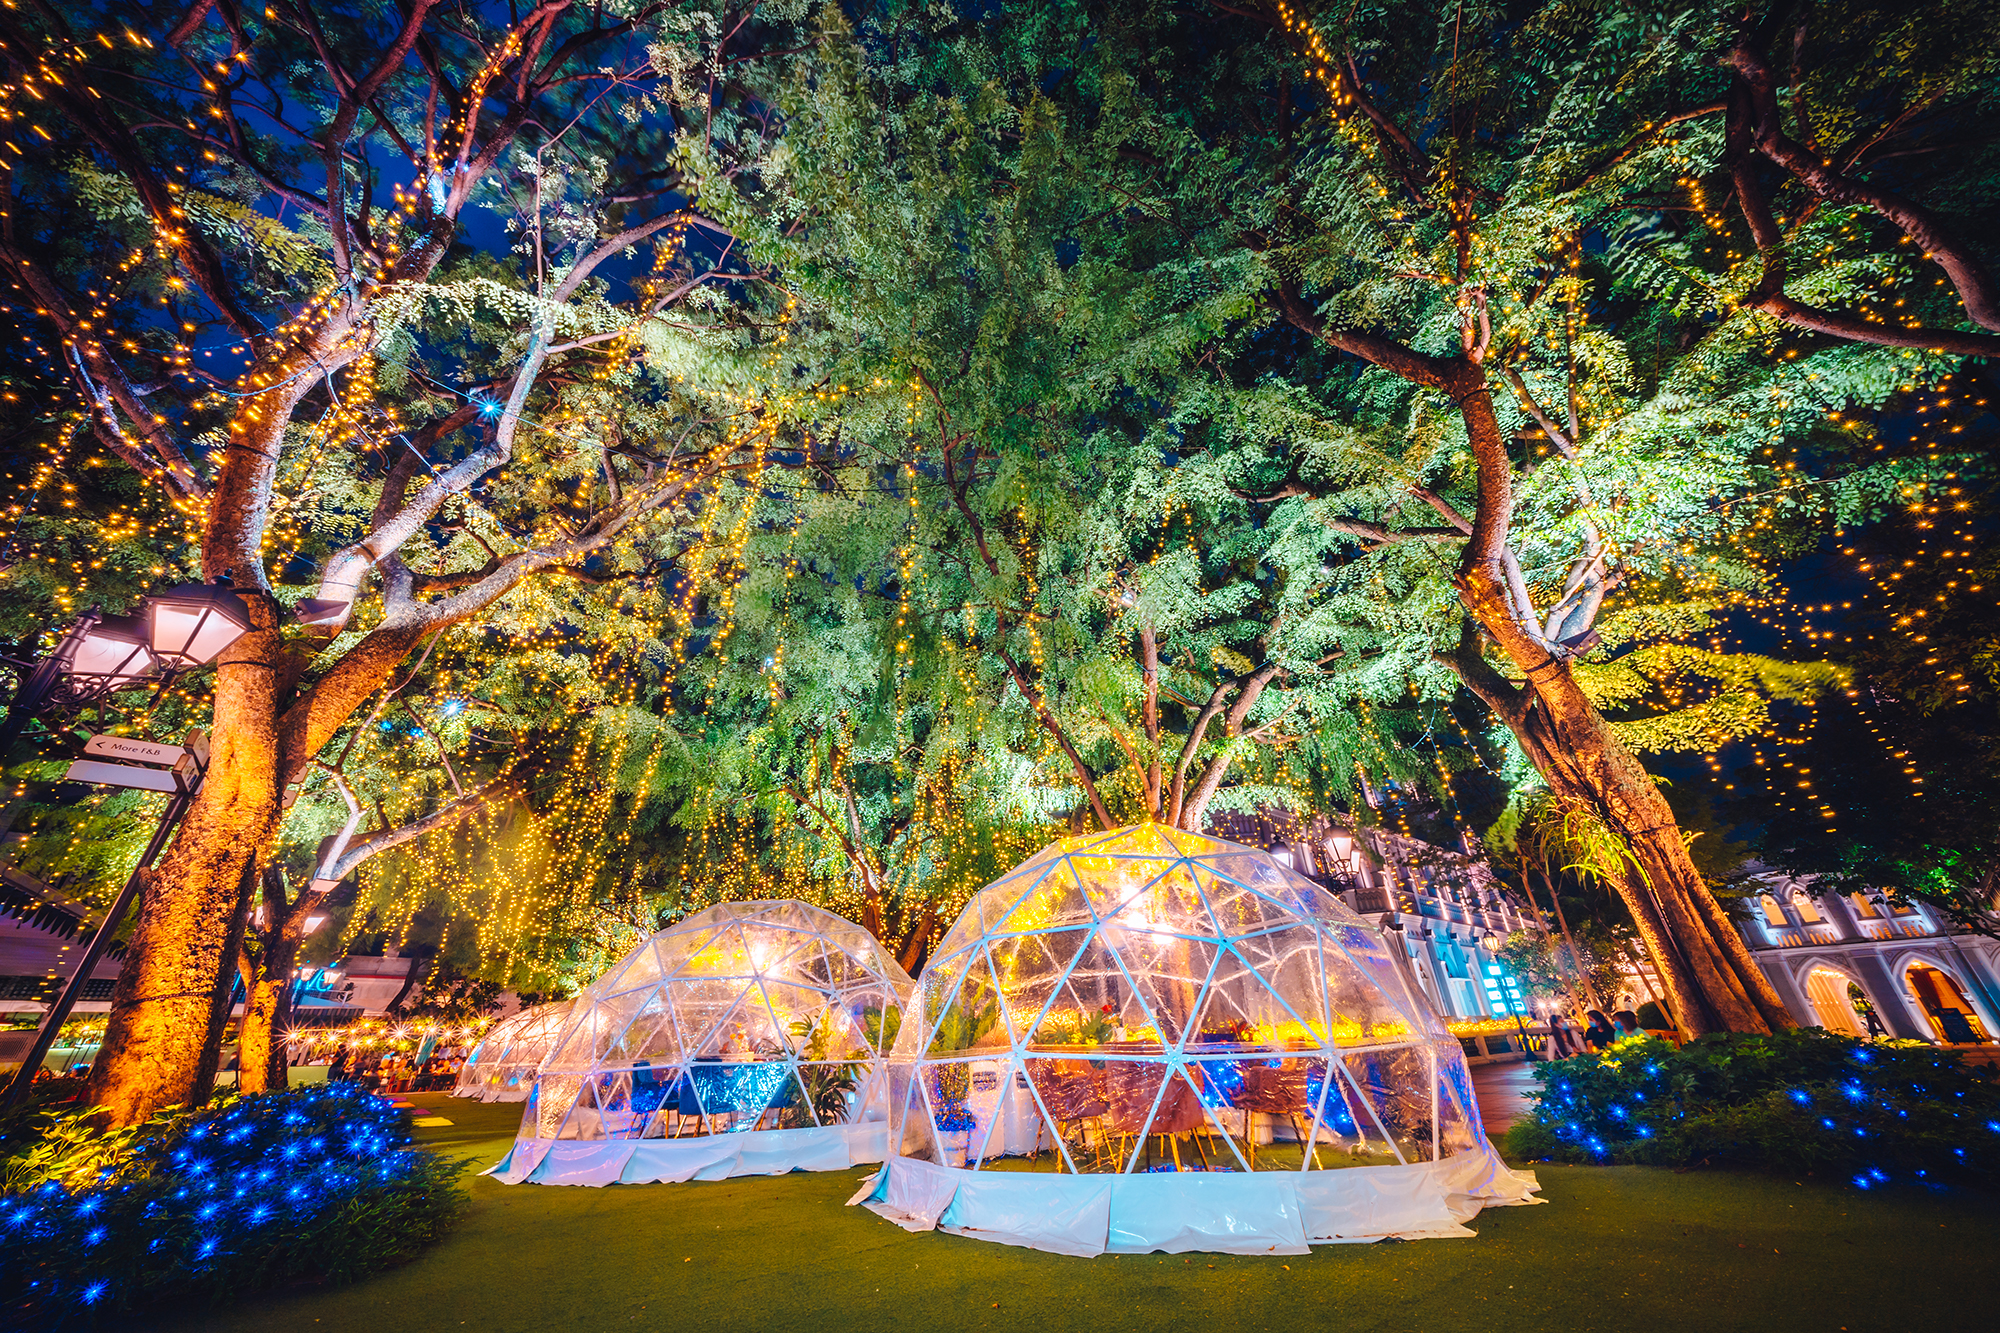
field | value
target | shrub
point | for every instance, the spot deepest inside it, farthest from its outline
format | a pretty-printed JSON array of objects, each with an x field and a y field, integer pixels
[
  {"x": 1804, "y": 1100},
  {"x": 310, "y": 1185}
]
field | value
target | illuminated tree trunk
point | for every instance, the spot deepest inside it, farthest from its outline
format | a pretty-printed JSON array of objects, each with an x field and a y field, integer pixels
[
  {"x": 1711, "y": 979},
  {"x": 260, "y": 1056},
  {"x": 181, "y": 947},
  {"x": 267, "y": 988}
]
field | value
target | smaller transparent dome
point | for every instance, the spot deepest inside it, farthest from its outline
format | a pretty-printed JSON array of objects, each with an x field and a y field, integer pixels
[
  {"x": 502, "y": 1067},
  {"x": 1151, "y": 999},
  {"x": 746, "y": 1016}
]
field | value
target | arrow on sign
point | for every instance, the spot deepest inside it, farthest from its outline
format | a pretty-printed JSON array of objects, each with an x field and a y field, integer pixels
[{"x": 130, "y": 747}]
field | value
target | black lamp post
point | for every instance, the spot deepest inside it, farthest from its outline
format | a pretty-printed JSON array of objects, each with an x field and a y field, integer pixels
[{"x": 175, "y": 631}]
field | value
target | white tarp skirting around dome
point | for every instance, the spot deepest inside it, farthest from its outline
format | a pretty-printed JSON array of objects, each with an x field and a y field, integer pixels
[
  {"x": 770, "y": 1152},
  {"x": 1274, "y": 1212}
]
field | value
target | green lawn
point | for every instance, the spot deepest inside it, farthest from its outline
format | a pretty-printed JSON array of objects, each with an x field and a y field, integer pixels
[{"x": 1616, "y": 1248}]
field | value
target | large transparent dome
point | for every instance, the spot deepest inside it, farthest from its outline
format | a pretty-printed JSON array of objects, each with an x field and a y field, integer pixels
[
  {"x": 747, "y": 1016},
  {"x": 1151, "y": 1000},
  {"x": 501, "y": 1068}
]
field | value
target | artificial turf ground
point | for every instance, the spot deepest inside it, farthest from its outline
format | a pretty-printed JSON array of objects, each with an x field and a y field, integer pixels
[{"x": 1622, "y": 1249}]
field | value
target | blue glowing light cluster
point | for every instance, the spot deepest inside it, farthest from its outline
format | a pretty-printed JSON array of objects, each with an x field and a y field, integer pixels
[
  {"x": 1804, "y": 1100},
  {"x": 218, "y": 1193}
]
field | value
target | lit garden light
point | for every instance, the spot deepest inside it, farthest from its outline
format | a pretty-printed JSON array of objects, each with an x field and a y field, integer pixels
[
  {"x": 114, "y": 652},
  {"x": 192, "y": 625},
  {"x": 97, "y": 657},
  {"x": 174, "y": 632}
]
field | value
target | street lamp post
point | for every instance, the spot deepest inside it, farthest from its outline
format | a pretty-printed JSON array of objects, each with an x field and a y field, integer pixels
[
  {"x": 1493, "y": 943},
  {"x": 176, "y": 631},
  {"x": 98, "y": 655},
  {"x": 93, "y": 953}
]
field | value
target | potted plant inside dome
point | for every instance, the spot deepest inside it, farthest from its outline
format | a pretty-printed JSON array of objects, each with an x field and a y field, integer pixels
[
  {"x": 955, "y": 1123},
  {"x": 828, "y": 1083},
  {"x": 951, "y": 1084}
]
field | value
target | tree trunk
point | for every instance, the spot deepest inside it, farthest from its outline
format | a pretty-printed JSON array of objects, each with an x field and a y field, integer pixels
[
  {"x": 260, "y": 1053},
  {"x": 1711, "y": 979},
  {"x": 1712, "y": 982},
  {"x": 181, "y": 950},
  {"x": 220, "y": 992},
  {"x": 254, "y": 1041},
  {"x": 1710, "y": 976},
  {"x": 1562, "y": 923},
  {"x": 1570, "y": 964}
]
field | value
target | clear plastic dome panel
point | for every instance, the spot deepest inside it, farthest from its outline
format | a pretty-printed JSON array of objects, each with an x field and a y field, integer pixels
[
  {"x": 747, "y": 1016},
  {"x": 502, "y": 1066},
  {"x": 1154, "y": 999}
]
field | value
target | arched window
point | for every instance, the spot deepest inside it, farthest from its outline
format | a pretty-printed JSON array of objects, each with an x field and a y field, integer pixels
[
  {"x": 1828, "y": 992},
  {"x": 1774, "y": 915},
  {"x": 1864, "y": 906},
  {"x": 1808, "y": 910}
]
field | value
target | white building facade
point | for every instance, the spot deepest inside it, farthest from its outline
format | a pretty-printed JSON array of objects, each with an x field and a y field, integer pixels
[{"x": 1859, "y": 964}]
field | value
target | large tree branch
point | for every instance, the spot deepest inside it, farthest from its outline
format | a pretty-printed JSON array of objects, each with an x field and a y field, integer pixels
[
  {"x": 1434, "y": 372},
  {"x": 99, "y": 377},
  {"x": 98, "y": 123},
  {"x": 190, "y": 23},
  {"x": 311, "y": 721},
  {"x": 1507, "y": 700},
  {"x": 1149, "y": 666},
  {"x": 1048, "y": 720},
  {"x": 1218, "y": 764},
  {"x": 1557, "y": 435},
  {"x": 445, "y": 816},
  {"x": 342, "y": 575},
  {"x": 1382, "y": 535},
  {"x": 1753, "y": 133},
  {"x": 1189, "y": 747},
  {"x": 1968, "y": 275},
  {"x": 340, "y": 582}
]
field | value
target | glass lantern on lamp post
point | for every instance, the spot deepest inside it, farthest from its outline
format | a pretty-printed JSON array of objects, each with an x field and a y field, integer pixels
[
  {"x": 174, "y": 632},
  {"x": 192, "y": 625}
]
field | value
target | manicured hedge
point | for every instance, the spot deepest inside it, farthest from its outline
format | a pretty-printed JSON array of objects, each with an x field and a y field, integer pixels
[
  {"x": 1805, "y": 1100},
  {"x": 311, "y": 1185}
]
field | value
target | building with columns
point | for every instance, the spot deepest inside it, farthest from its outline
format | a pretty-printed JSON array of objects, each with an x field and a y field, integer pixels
[{"x": 1840, "y": 959}]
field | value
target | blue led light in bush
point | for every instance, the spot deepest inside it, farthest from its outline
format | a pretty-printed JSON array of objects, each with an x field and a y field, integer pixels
[
  {"x": 176, "y": 1205},
  {"x": 1734, "y": 1099}
]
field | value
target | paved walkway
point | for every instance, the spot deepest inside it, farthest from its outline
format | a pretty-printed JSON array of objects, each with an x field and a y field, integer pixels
[{"x": 1502, "y": 1090}]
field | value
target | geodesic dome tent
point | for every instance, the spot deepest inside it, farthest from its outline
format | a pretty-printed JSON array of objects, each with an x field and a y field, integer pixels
[
  {"x": 501, "y": 1068},
  {"x": 744, "y": 1040},
  {"x": 1152, "y": 1039}
]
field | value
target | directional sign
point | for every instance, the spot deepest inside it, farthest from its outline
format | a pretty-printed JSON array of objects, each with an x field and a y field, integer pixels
[
  {"x": 123, "y": 775},
  {"x": 132, "y": 748}
]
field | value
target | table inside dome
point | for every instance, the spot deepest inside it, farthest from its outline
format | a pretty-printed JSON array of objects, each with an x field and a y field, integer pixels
[{"x": 1102, "y": 1095}]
